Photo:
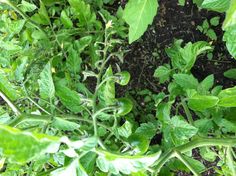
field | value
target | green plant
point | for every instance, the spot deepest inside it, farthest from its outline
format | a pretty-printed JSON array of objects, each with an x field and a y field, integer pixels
[
  {"x": 60, "y": 113},
  {"x": 206, "y": 29},
  {"x": 229, "y": 27}
]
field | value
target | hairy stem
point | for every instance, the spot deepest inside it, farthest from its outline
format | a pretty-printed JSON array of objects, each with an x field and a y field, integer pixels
[
  {"x": 200, "y": 142},
  {"x": 186, "y": 163},
  {"x": 10, "y": 103}
]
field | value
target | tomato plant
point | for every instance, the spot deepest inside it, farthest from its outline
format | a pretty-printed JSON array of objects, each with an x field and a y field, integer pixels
[{"x": 61, "y": 113}]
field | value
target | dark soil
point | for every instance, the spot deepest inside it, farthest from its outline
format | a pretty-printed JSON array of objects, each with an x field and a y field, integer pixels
[{"x": 178, "y": 22}]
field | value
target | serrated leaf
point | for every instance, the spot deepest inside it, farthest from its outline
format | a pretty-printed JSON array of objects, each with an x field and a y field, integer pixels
[
  {"x": 115, "y": 163},
  {"x": 186, "y": 81},
  {"x": 216, "y": 5},
  {"x": 46, "y": 85},
  {"x": 21, "y": 147},
  {"x": 178, "y": 130},
  {"x": 139, "y": 14}
]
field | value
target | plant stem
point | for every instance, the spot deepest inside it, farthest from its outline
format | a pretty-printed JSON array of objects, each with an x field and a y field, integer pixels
[
  {"x": 187, "y": 111},
  {"x": 10, "y": 103},
  {"x": 99, "y": 77},
  {"x": 26, "y": 17},
  {"x": 200, "y": 142},
  {"x": 186, "y": 163}
]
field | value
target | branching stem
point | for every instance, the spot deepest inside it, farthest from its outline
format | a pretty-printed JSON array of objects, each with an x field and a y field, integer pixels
[{"x": 200, "y": 142}]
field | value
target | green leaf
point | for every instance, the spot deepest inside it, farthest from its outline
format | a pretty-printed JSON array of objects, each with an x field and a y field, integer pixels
[
  {"x": 227, "y": 97},
  {"x": 147, "y": 129},
  {"x": 230, "y": 19},
  {"x": 27, "y": 7},
  {"x": 64, "y": 125},
  {"x": 42, "y": 16},
  {"x": 73, "y": 169},
  {"x": 185, "y": 58},
  {"x": 207, "y": 83},
  {"x": 125, "y": 130},
  {"x": 21, "y": 147},
  {"x": 181, "y": 2},
  {"x": 115, "y": 163},
  {"x": 123, "y": 78},
  {"x": 139, "y": 14},
  {"x": 208, "y": 154},
  {"x": 88, "y": 161},
  {"x": 46, "y": 85},
  {"x": 231, "y": 73},
  {"x": 202, "y": 102},
  {"x": 139, "y": 142},
  {"x": 163, "y": 73},
  {"x": 69, "y": 98},
  {"x": 186, "y": 81},
  {"x": 179, "y": 130},
  {"x": 211, "y": 34},
  {"x": 216, "y": 5},
  {"x": 66, "y": 21},
  {"x": 125, "y": 106},
  {"x": 107, "y": 90},
  {"x": 83, "y": 12},
  {"x": 230, "y": 39},
  {"x": 82, "y": 43},
  {"x": 7, "y": 88},
  {"x": 74, "y": 61},
  {"x": 215, "y": 21}
]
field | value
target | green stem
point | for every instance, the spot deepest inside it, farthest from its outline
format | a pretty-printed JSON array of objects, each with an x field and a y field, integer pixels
[
  {"x": 26, "y": 17},
  {"x": 187, "y": 111},
  {"x": 30, "y": 117},
  {"x": 200, "y": 142},
  {"x": 99, "y": 77},
  {"x": 186, "y": 163},
  {"x": 10, "y": 103}
]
